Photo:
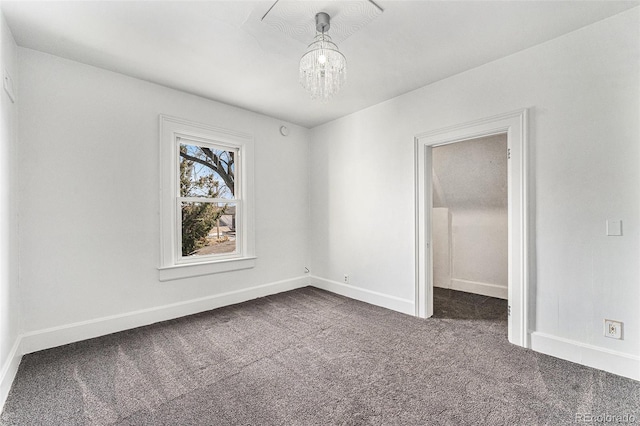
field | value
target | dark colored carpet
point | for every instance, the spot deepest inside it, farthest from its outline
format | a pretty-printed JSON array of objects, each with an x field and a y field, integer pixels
[{"x": 308, "y": 357}]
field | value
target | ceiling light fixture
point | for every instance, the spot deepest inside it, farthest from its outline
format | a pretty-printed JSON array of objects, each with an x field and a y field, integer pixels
[{"x": 323, "y": 69}]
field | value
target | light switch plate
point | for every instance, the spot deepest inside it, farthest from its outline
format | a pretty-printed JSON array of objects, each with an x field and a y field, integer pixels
[{"x": 614, "y": 228}]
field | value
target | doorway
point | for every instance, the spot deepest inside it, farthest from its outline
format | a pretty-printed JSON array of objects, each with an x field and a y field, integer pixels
[
  {"x": 514, "y": 126},
  {"x": 470, "y": 229}
]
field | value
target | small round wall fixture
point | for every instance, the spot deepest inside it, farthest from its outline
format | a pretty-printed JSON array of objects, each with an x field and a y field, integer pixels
[{"x": 284, "y": 130}]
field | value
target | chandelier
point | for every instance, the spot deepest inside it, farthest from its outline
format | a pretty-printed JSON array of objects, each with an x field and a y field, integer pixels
[{"x": 323, "y": 69}]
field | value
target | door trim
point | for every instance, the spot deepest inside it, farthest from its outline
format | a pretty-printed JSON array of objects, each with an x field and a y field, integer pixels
[{"x": 515, "y": 126}]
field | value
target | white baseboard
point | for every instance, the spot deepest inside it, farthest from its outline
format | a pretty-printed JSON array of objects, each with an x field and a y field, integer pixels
[
  {"x": 373, "y": 297},
  {"x": 9, "y": 370},
  {"x": 614, "y": 362},
  {"x": 485, "y": 289},
  {"x": 56, "y": 336}
]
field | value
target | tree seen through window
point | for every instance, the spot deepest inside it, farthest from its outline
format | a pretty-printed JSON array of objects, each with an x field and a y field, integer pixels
[{"x": 207, "y": 197}]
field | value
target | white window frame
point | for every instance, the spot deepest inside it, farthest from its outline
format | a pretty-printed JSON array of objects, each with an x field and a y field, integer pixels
[{"x": 172, "y": 264}]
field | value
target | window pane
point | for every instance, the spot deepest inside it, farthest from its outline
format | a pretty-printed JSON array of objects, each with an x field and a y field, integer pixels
[
  {"x": 208, "y": 228},
  {"x": 206, "y": 172}
]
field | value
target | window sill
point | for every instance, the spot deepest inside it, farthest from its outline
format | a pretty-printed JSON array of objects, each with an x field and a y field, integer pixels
[{"x": 168, "y": 273}]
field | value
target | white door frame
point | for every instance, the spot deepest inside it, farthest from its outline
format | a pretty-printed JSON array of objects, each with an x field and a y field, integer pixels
[{"x": 514, "y": 124}]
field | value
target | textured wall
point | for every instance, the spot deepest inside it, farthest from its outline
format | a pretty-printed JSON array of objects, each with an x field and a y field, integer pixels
[{"x": 471, "y": 175}]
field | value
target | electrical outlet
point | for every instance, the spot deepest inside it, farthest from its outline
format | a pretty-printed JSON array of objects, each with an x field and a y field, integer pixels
[
  {"x": 612, "y": 329},
  {"x": 346, "y": 279}
]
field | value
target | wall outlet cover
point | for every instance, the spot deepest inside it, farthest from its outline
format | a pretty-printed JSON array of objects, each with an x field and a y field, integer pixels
[{"x": 612, "y": 329}]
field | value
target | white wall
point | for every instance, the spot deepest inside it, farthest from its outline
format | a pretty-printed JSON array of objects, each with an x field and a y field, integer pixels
[
  {"x": 89, "y": 202},
  {"x": 583, "y": 90},
  {"x": 479, "y": 241},
  {"x": 9, "y": 288},
  {"x": 470, "y": 250},
  {"x": 441, "y": 239}
]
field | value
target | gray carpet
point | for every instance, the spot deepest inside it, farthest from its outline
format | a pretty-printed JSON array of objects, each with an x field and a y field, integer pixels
[{"x": 308, "y": 357}]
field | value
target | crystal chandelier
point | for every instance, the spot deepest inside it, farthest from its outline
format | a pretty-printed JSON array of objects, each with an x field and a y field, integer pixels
[{"x": 323, "y": 69}]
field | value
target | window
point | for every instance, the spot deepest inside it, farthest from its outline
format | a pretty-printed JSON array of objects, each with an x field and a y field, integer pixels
[{"x": 205, "y": 200}]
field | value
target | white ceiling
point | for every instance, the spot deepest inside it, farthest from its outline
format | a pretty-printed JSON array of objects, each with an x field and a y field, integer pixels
[
  {"x": 222, "y": 50},
  {"x": 295, "y": 18}
]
